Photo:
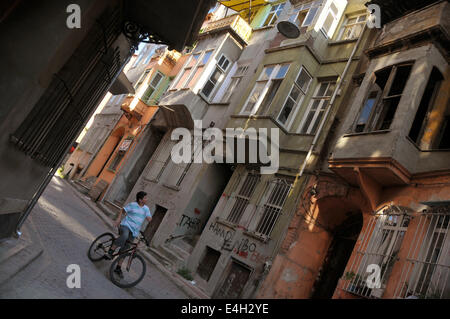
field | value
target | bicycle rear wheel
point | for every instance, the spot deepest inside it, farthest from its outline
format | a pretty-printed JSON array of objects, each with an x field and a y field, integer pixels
[
  {"x": 100, "y": 246},
  {"x": 133, "y": 270}
]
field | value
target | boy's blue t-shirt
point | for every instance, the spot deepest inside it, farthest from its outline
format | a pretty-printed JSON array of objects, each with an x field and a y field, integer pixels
[{"x": 135, "y": 217}]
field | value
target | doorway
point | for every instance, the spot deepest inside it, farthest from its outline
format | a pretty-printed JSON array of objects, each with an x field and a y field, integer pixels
[
  {"x": 153, "y": 226},
  {"x": 338, "y": 254},
  {"x": 234, "y": 283}
]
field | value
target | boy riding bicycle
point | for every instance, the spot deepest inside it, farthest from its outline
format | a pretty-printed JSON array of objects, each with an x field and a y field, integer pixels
[{"x": 135, "y": 214}]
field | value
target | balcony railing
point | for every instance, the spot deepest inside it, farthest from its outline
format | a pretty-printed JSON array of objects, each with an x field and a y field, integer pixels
[{"x": 234, "y": 22}]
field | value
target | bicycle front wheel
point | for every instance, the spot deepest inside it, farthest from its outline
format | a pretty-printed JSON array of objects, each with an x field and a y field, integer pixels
[
  {"x": 100, "y": 246},
  {"x": 133, "y": 270}
]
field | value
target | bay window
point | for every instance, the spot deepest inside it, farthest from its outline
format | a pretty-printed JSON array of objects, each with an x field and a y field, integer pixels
[
  {"x": 265, "y": 88},
  {"x": 317, "y": 107},
  {"x": 353, "y": 27},
  {"x": 199, "y": 68},
  {"x": 216, "y": 76},
  {"x": 304, "y": 14},
  {"x": 331, "y": 18},
  {"x": 274, "y": 14},
  {"x": 383, "y": 98},
  {"x": 152, "y": 87},
  {"x": 235, "y": 80},
  {"x": 295, "y": 97}
]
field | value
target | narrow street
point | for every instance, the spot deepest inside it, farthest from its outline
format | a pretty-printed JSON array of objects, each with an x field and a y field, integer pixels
[{"x": 67, "y": 226}]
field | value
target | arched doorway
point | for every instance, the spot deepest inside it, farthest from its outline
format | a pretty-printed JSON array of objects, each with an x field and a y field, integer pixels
[{"x": 343, "y": 241}]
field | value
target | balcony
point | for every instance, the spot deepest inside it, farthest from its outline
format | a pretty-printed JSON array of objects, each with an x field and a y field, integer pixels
[
  {"x": 426, "y": 23},
  {"x": 134, "y": 107},
  {"x": 235, "y": 24}
]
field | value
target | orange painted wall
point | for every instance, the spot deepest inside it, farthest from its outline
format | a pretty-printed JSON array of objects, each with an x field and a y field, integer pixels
[
  {"x": 305, "y": 246},
  {"x": 123, "y": 129}
]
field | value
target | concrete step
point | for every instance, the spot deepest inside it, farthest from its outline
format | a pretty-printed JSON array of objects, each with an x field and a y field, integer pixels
[
  {"x": 107, "y": 210},
  {"x": 80, "y": 187},
  {"x": 114, "y": 207},
  {"x": 185, "y": 246},
  {"x": 176, "y": 259},
  {"x": 179, "y": 251},
  {"x": 161, "y": 257}
]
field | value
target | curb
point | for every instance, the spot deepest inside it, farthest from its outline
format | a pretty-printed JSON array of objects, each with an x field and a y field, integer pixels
[
  {"x": 19, "y": 260},
  {"x": 179, "y": 281}
]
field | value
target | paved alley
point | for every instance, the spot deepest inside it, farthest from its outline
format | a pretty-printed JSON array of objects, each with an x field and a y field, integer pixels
[{"x": 66, "y": 227}]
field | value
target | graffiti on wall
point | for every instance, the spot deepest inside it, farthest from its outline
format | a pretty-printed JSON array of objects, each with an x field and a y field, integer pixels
[
  {"x": 191, "y": 223},
  {"x": 242, "y": 247}
]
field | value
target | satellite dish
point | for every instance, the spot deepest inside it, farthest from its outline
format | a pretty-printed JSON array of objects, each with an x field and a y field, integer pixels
[{"x": 288, "y": 29}]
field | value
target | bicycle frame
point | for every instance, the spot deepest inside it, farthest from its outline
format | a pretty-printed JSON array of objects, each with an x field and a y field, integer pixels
[{"x": 131, "y": 249}]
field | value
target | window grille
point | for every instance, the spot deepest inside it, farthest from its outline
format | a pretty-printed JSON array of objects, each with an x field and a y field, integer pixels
[
  {"x": 380, "y": 244},
  {"x": 54, "y": 122},
  {"x": 425, "y": 273},
  {"x": 275, "y": 196},
  {"x": 243, "y": 197}
]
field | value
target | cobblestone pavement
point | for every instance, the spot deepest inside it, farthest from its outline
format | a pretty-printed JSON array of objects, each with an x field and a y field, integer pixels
[{"x": 66, "y": 227}]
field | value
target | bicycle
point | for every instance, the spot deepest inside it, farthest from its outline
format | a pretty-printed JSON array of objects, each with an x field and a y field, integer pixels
[{"x": 135, "y": 264}]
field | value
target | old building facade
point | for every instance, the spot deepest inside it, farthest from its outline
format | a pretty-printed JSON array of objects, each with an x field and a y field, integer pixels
[
  {"x": 226, "y": 222},
  {"x": 71, "y": 74},
  {"x": 373, "y": 220}
]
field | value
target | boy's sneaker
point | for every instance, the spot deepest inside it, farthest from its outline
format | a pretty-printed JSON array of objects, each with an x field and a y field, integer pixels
[{"x": 118, "y": 271}]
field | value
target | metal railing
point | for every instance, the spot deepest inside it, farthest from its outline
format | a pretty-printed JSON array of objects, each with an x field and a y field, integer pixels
[{"x": 235, "y": 22}]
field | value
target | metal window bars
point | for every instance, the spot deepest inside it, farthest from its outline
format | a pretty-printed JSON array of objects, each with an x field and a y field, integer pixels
[
  {"x": 274, "y": 199},
  {"x": 425, "y": 272},
  {"x": 243, "y": 197},
  {"x": 53, "y": 123},
  {"x": 379, "y": 245}
]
